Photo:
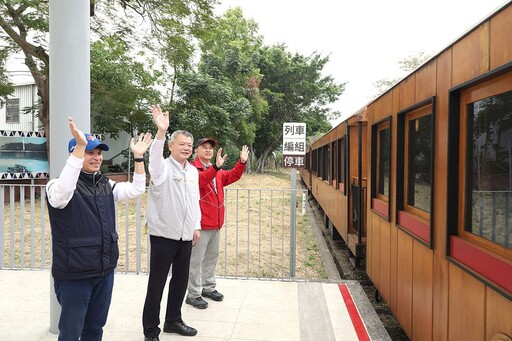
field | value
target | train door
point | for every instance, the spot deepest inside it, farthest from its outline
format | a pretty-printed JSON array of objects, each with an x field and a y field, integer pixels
[{"x": 356, "y": 234}]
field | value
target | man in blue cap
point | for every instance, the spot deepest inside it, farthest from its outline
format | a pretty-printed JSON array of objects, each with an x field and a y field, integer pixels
[{"x": 84, "y": 237}]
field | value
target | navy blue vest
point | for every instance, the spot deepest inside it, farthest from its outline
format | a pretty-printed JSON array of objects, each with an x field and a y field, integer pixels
[{"x": 84, "y": 237}]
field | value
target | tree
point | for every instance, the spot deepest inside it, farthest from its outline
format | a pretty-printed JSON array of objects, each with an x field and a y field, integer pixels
[
  {"x": 25, "y": 26},
  {"x": 296, "y": 91},
  {"x": 243, "y": 91},
  {"x": 228, "y": 56},
  {"x": 122, "y": 89},
  {"x": 5, "y": 85},
  {"x": 221, "y": 98},
  {"x": 406, "y": 65},
  {"x": 141, "y": 23},
  {"x": 210, "y": 108},
  {"x": 167, "y": 28}
]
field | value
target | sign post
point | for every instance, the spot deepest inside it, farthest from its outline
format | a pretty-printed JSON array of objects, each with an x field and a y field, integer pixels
[{"x": 294, "y": 150}]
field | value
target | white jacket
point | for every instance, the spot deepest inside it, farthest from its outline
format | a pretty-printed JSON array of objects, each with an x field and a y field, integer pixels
[{"x": 173, "y": 210}]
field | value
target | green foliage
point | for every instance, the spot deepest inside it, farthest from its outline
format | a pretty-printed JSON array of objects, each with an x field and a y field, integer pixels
[
  {"x": 25, "y": 29},
  {"x": 122, "y": 89},
  {"x": 296, "y": 91},
  {"x": 165, "y": 28},
  {"x": 228, "y": 58},
  {"x": 240, "y": 93},
  {"x": 411, "y": 63},
  {"x": 406, "y": 65},
  {"x": 232, "y": 151},
  {"x": 5, "y": 86},
  {"x": 278, "y": 86},
  {"x": 208, "y": 108}
]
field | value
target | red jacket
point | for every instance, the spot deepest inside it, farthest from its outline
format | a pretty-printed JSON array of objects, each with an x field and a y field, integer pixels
[{"x": 211, "y": 202}]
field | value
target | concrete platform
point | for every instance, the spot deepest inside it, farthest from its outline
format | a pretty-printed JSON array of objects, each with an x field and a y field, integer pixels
[{"x": 251, "y": 310}]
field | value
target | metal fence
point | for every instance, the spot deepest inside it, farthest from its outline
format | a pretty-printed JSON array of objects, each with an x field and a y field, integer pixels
[{"x": 255, "y": 242}]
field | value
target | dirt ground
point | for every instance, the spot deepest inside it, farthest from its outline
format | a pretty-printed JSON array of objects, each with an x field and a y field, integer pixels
[{"x": 341, "y": 256}]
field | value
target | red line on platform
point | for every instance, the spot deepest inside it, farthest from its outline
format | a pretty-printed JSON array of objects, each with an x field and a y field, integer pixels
[{"x": 357, "y": 322}]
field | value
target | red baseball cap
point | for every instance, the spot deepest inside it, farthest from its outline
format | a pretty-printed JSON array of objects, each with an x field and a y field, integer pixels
[{"x": 205, "y": 140}]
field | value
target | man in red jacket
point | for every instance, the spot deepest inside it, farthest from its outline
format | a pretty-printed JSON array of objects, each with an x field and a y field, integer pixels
[{"x": 205, "y": 253}]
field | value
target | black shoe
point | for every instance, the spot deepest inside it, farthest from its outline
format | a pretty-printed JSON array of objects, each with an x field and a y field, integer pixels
[
  {"x": 147, "y": 338},
  {"x": 197, "y": 302},
  {"x": 179, "y": 327},
  {"x": 213, "y": 295}
]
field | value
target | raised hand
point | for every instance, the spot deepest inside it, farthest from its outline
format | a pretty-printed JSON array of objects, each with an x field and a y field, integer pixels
[
  {"x": 77, "y": 133},
  {"x": 219, "y": 161},
  {"x": 143, "y": 143},
  {"x": 244, "y": 154},
  {"x": 161, "y": 119}
]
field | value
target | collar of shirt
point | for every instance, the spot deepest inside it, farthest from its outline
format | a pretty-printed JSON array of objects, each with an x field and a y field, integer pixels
[{"x": 178, "y": 165}]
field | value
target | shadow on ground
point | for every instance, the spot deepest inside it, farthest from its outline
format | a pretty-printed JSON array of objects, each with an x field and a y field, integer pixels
[{"x": 341, "y": 256}]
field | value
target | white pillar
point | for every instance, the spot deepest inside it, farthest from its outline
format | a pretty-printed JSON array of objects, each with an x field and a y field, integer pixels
[{"x": 69, "y": 89}]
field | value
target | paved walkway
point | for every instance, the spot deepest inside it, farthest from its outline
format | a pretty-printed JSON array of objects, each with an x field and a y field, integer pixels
[{"x": 251, "y": 310}]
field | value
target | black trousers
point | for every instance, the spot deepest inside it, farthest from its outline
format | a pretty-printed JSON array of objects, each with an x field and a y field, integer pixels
[{"x": 164, "y": 253}]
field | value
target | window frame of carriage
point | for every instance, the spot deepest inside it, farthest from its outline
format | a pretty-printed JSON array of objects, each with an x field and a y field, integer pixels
[
  {"x": 487, "y": 261},
  {"x": 307, "y": 160},
  {"x": 341, "y": 164},
  {"x": 314, "y": 162},
  {"x": 410, "y": 219},
  {"x": 324, "y": 168},
  {"x": 380, "y": 203}
]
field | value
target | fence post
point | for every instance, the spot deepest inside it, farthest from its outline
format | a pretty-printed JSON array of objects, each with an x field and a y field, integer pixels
[
  {"x": 293, "y": 212},
  {"x": 304, "y": 198}
]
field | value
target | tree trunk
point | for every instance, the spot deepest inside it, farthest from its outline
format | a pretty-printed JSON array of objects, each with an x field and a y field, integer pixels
[
  {"x": 43, "y": 112},
  {"x": 260, "y": 164}
]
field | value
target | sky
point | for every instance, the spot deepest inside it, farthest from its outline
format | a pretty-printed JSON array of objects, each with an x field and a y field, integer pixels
[{"x": 364, "y": 39}]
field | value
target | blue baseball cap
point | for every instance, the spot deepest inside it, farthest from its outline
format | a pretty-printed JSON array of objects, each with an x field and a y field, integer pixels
[{"x": 92, "y": 143}]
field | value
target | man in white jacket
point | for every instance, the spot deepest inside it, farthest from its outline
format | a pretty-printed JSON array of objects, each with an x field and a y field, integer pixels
[{"x": 173, "y": 217}]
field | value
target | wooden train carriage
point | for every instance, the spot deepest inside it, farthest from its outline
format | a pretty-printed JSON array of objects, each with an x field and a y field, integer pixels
[
  {"x": 305, "y": 172},
  {"x": 439, "y": 241},
  {"x": 334, "y": 165},
  {"x": 326, "y": 179}
]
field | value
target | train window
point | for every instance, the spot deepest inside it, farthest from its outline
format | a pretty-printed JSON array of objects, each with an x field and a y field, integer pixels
[
  {"x": 414, "y": 165},
  {"x": 334, "y": 170},
  {"x": 323, "y": 163},
  {"x": 383, "y": 161},
  {"x": 479, "y": 194},
  {"x": 341, "y": 165},
  {"x": 315, "y": 162},
  {"x": 419, "y": 159},
  {"x": 486, "y": 154},
  {"x": 381, "y": 166}
]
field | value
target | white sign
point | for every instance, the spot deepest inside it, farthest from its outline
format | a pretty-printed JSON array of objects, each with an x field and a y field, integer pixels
[
  {"x": 294, "y": 138},
  {"x": 295, "y": 161},
  {"x": 294, "y": 144}
]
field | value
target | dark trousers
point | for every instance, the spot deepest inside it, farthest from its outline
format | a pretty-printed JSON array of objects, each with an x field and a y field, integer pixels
[
  {"x": 165, "y": 252},
  {"x": 85, "y": 304}
]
